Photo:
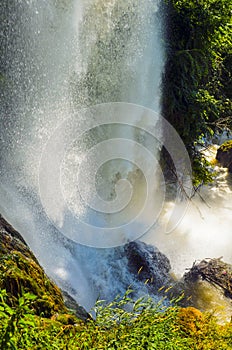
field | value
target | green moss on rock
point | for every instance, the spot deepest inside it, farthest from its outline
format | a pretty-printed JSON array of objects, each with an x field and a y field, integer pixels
[
  {"x": 224, "y": 155},
  {"x": 20, "y": 272},
  {"x": 226, "y": 146}
]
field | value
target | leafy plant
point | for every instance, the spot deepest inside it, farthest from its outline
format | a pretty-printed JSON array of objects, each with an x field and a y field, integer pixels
[
  {"x": 197, "y": 78},
  {"x": 121, "y": 324},
  {"x": 13, "y": 318}
]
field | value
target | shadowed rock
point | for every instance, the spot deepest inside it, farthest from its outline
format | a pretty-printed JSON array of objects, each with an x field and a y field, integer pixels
[
  {"x": 224, "y": 155},
  {"x": 148, "y": 264}
]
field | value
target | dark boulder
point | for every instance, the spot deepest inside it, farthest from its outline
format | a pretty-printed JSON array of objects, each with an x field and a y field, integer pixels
[
  {"x": 148, "y": 264},
  {"x": 72, "y": 305},
  {"x": 224, "y": 155}
]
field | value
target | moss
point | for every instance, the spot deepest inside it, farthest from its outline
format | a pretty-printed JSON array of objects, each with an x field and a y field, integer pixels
[
  {"x": 226, "y": 146},
  {"x": 10, "y": 243},
  {"x": 65, "y": 319},
  {"x": 224, "y": 155},
  {"x": 20, "y": 274},
  {"x": 204, "y": 330},
  {"x": 191, "y": 320}
]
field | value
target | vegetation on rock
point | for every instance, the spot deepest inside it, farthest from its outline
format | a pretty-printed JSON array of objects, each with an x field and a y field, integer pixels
[
  {"x": 33, "y": 315},
  {"x": 197, "y": 80},
  {"x": 214, "y": 271},
  {"x": 21, "y": 273},
  {"x": 146, "y": 326},
  {"x": 226, "y": 146},
  {"x": 224, "y": 155},
  {"x": 197, "y": 102}
]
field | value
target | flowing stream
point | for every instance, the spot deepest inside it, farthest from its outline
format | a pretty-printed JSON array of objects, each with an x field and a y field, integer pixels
[{"x": 60, "y": 58}]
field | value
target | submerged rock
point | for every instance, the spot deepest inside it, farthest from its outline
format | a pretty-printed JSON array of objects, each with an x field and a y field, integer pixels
[
  {"x": 224, "y": 155},
  {"x": 148, "y": 264},
  {"x": 21, "y": 273}
]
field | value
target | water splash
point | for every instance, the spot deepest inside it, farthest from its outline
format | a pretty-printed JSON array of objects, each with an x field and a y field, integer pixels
[
  {"x": 60, "y": 56},
  {"x": 205, "y": 231}
]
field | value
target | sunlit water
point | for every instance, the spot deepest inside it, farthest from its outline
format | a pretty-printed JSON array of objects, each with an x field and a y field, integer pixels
[
  {"x": 204, "y": 232},
  {"x": 61, "y": 56}
]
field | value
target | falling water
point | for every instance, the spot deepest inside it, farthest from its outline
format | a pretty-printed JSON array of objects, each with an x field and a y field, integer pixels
[{"x": 60, "y": 56}]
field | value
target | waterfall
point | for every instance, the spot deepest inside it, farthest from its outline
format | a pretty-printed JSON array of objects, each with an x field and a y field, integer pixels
[
  {"x": 68, "y": 64},
  {"x": 59, "y": 58}
]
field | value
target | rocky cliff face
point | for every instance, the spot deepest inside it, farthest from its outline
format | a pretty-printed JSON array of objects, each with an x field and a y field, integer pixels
[
  {"x": 224, "y": 155},
  {"x": 20, "y": 272}
]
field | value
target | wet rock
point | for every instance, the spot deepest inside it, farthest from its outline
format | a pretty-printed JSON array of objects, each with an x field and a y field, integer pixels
[
  {"x": 12, "y": 241},
  {"x": 214, "y": 271},
  {"x": 20, "y": 273},
  {"x": 224, "y": 155},
  {"x": 148, "y": 264},
  {"x": 72, "y": 305}
]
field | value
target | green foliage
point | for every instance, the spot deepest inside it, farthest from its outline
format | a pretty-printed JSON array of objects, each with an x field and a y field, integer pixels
[
  {"x": 12, "y": 319},
  {"x": 122, "y": 324},
  {"x": 19, "y": 273},
  {"x": 201, "y": 171},
  {"x": 197, "y": 79}
]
